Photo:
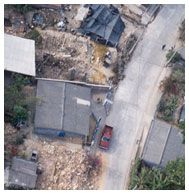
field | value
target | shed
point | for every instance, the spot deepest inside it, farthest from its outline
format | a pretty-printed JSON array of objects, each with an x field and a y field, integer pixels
[
  {"x": 19, "y": 55},
  {"x": 64, "y": 109},
  {"x": 103, "y": 24},
  {"x": 163, "y": 144},
  {"x": 23, "y": 173}
]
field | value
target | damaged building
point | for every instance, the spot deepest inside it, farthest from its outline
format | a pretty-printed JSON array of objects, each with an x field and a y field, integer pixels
[
  {"x": 103, "y": 24},
  {"x": 22, "y": 174}
]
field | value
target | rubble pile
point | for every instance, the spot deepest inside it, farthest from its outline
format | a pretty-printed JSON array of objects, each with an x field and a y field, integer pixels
[
  {"x": 64, "y": 169},
  {"x": 123, "y": 58},
  {"x": 10, "y": 134}
]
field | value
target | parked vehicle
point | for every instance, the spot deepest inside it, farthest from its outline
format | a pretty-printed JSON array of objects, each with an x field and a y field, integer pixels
[
  {"x": 34, "y": 155},
  {"x": 106, "y": 137}
]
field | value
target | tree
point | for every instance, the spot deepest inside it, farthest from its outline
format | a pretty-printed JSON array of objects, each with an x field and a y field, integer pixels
[
  {"x": 19, "y": 113},
  {"x": 22, "y": 8},
  {"x": 175, "y": 173},
  {"x": 182, "y": 127},
  {"x": 145, "y": 178}
]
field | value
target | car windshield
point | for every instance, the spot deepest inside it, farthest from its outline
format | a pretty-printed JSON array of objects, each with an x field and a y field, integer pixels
[{"x": 105, "y": 139}]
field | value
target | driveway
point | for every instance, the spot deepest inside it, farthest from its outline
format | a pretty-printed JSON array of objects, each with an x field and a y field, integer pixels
[{"x": 137, "y": 95}]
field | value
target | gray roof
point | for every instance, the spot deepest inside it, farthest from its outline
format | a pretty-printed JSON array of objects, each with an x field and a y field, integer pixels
[
  {"x": 23, "y": 173},
  {"x": 64, "y": 106},
  {"x": 181, "y": 51},
  {"x": 163, "y": 144},
  {"x": 182, "y": 114},
  {"x": 19, "y": 55},
  {"x": 49, "y": 113}
]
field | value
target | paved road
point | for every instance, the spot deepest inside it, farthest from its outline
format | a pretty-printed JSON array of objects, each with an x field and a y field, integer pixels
[{"x": 134, "y": 99}]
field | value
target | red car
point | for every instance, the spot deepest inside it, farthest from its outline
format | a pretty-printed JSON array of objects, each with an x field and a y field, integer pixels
[{"x": 106, "y": 137}]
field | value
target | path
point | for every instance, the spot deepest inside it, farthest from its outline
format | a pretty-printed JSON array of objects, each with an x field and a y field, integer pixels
[{"x": 137, "y": 96}]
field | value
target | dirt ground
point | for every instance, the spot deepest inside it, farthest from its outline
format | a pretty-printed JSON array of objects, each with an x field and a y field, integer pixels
[{"x": 64, "y": 166}]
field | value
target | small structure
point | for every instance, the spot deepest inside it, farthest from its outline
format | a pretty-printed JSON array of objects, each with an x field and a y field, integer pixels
[
  {"x": 65, "y": 109},
  {"x": 23, "y": 173},
  {"x": 19, "y": 55},
  {"x": 182, "y": 114},
  {"x": 163, "y": 144},
  {"x": 103, "y": 24}
]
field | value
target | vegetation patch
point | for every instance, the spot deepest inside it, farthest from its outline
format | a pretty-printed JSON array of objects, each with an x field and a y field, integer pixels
[
  {"x": 182, "y": 127},
  {"x": 182, "y": 31},
  {"x": 34, "y": 35},
  {"x": 170, "y": 178},
  {"x": 16, "y": 103},
  {"x": 173, "y": 88},
  {"x": 176, "y": 58}
]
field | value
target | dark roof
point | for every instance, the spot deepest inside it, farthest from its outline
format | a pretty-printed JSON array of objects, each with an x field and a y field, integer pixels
[
  {"x": 103, "y": 23},
  {"x": 64, "y": 106},
  {"x": 163, "y": 144},
  {"x": 23, "y": 173}
]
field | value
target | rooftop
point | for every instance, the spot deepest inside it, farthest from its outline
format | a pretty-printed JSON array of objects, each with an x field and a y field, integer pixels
[
  {"x": 23, "y": 173},
  {"x": 64, "y": 106},
  {"x": 19, "y": 55},
  {"x": 163, "y": 144}
]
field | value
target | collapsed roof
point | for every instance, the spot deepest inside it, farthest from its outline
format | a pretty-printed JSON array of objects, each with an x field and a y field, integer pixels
[{"x": 103, "y": 24}]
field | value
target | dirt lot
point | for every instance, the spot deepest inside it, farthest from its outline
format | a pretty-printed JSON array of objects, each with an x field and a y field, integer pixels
[{"x": 64, "y": 166}]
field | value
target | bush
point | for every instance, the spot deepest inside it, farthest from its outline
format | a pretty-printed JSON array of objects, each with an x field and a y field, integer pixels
[
  {"x": 22, "y": 8},
  {"x": 176, "y": 57},
  {"x": 94, "y": 161},
  {"x": 23, "y": 155},
  {"x": 182, "y": 127},
  {"x": 182, "y": 31},
  {"x": 21, "y": 80},
  {"x": 34, "y": 35},
  {"x": 19, "y": 140},
  {"x": 134, "y": 174},
  {"x": 19, "y": 112}
]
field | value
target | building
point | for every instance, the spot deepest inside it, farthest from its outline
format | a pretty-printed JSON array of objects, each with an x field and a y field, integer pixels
[
  {"x": 163, "y": 144},
  {"x": 103, "y": 24},
  {"x": 19, "y": 55},
  {"x": 65, "y": 109},
  {"x": 22, "y": 173}
]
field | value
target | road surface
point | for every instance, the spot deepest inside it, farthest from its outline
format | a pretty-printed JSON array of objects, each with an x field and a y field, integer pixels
[{"x": 136, "y": 98}]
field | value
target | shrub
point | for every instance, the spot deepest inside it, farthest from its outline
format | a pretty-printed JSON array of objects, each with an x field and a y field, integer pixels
[
  {"x": 23, "y": 155},
  {"x": 19, "y": 140},
  {"x": 94, "y": 161},
  {"x": 19, "y": 112},
  {"x": 134, "y": 180},
  {"x": 22, "y": 8},
  {"x": 34, "y": 35},
  {"x": 182, "y": 127},
  {"x": 182, "y": 31},
  {"x": 176, "y": 57}
]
